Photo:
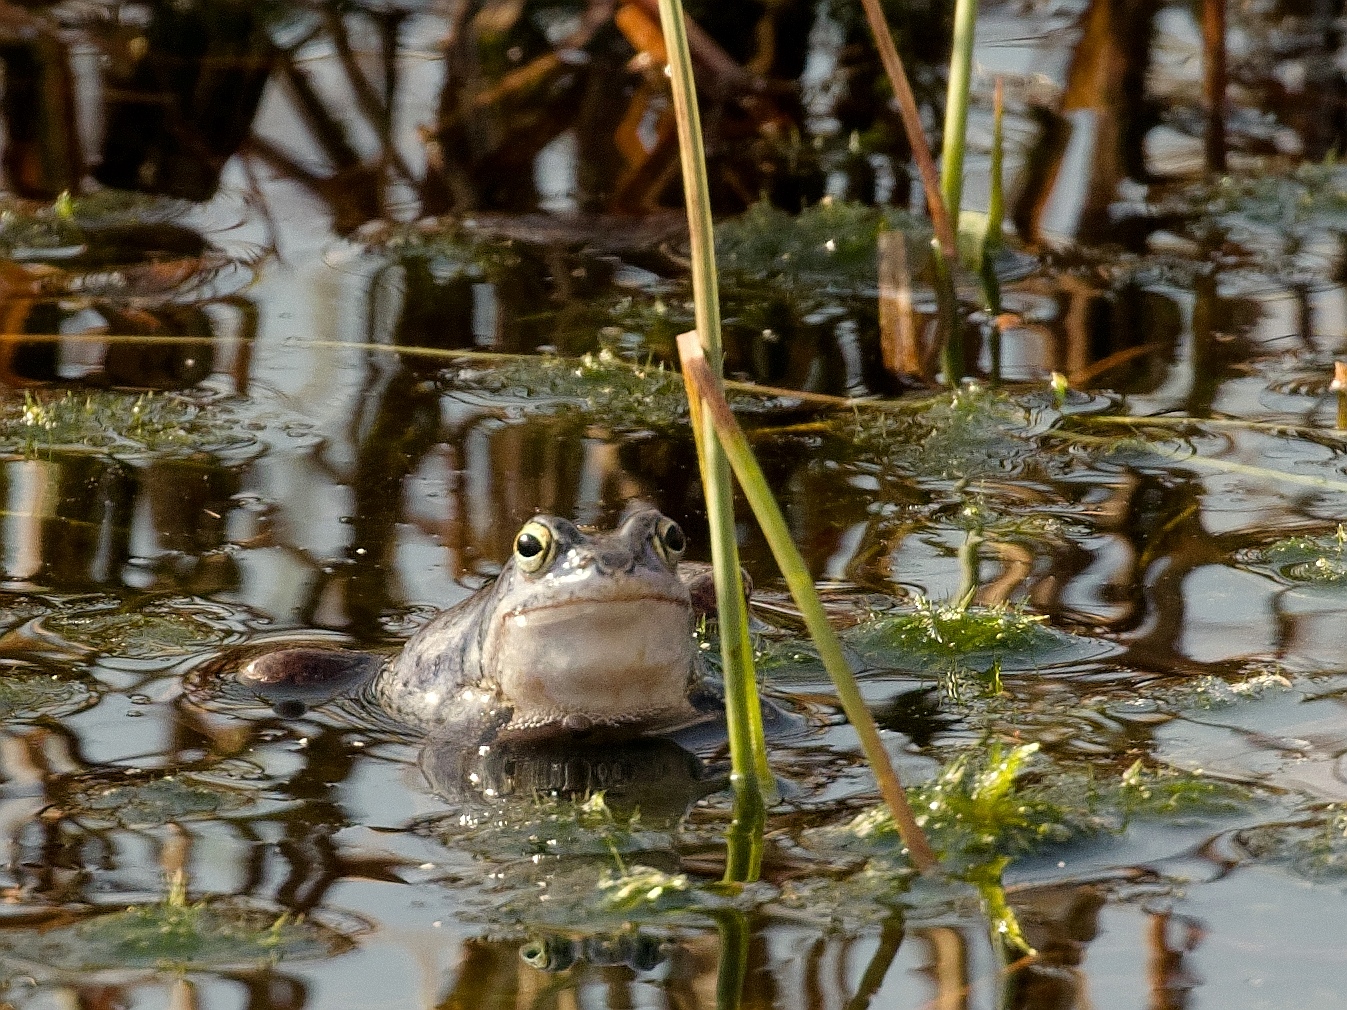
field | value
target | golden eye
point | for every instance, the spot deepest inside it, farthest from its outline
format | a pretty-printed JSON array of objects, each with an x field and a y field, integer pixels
[
  {"x": 669, "y": 541},
  {"x": 534, "y": 547}
]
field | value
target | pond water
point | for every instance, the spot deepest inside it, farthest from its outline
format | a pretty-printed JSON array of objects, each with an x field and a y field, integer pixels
[{"x": 279, "y": 391}]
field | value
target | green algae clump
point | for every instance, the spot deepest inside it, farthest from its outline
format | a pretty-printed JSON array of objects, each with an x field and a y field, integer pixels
[
  {"x": 139, "y": 800},
  {"x": 116, "y": 424},
  {"x": 616, "y": 393},
  {"x": 1320, "y": 560},
  {"x": 948, "y": 637},
  {"x": 1170, "y": 793},
  {"x": 830, "y": 246},
  {"x": 977, "y": 808},
  {"x": 175, "y": 934},
  {"x": 160, "y": 629},
  {"x": 643, "y": 887},
  {"x": 28, "y": 693}
]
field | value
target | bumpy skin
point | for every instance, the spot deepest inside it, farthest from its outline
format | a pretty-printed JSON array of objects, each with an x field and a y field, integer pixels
[{"x": 599, "y": 636}]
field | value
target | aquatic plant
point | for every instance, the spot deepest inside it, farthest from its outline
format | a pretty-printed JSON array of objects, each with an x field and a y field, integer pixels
[
  {"x": 1164, "y": 792},
  {"x": 979, "y": 815},
  {"x": 643, "y": 887},
  {"x": 955, "y": 639},
  {"x": 957, "y": 98},
  {"x": 26, "y": 228},
  {"x": 142, "y": 799},
  {"x": 974, "y": 432},
  {"x": 942, "y": 216},
  {"x": 1326, "y": 849},
  {"x": 952, "y": 632},
  {"x": 615, "y": 393},
  {"x": 28, "y": 692},
  {"x": 976, "y": 808},
  {"x": 175, "y": 934},
  {"x": 449, "y": 249},
  {"x": 751, "y": 776},
  {"x": 1281, "y": 222},
  {"x": 1310, "y": 195},
  {"x": 29, "y": 229},
  {"x": 1305, "y": 559},
  {"x": 826, "y": 249},
  {"x": 1314, "y": 846},
  {"x": 989, "y": 802},
  {"x": 704, "y": 392},
  {"x": 1218, "y": 692},
  {"x": 118, "y": 424},
  {"x": 150, "y": 630},
  {"x": 546, "y": 827}
]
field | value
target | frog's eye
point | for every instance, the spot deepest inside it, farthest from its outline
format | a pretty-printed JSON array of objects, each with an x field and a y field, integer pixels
[
  {"x": 534, "y": 547},
  {"x": 669, "y": 541}
]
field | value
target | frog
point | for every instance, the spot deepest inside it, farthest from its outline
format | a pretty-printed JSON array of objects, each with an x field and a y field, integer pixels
[{"x": 581, "y": 632}]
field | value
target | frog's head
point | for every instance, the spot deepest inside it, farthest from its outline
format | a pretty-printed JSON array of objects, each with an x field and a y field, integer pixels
[{"x": 592, "y": 628}]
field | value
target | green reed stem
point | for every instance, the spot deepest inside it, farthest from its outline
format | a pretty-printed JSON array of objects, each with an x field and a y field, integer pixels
[
  {"x": 1006, "y": 935},
  {"x": 732, "y": 971},
  {"x": 948, "y": 316},
  {"x": 951, "y": 155},
  {"x": 701, "y": 385},
  {"x": 750, "y": 773},
  {"x": 744, "y": 838},
  {"x": 956, "y": 106}
]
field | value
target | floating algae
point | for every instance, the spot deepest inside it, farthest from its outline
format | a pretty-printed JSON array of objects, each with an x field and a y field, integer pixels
[
  {"x": 173, "y": 934},
  {"x": 29, "y": 692},
  {"x": 138, "y": 799},
  {"x": 158, "y": 629},
  {"x": 990, "y": 802},
  {"x": 615, "y": 393},
  {"x": 1314, "y": 847},
  {"x": 951, "y": 638},
  {"x": 1321, "y": 560},
  {"x": 122, "y": 425}
]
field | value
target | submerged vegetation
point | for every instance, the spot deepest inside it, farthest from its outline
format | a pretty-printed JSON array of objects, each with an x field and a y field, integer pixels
[
  {"x": 139, "y": 800},
  {"x": 610, "y": 391},
  {"x": 1306, "y": 559},
  {"x": 975, "y": 809},
  {"x": 173, "y": 935},
  {"x": 155, "y": 630},
  {"x": 954, "y": 636},
  {"x": 826, "y": 250},
  {"x": 117, "y": 424},
  {"x": 1315, "y": 847},
  {"x": 29, "y": 693},
  {"x": 35, "y": 230},
  {"x": 997, "y": 802}
]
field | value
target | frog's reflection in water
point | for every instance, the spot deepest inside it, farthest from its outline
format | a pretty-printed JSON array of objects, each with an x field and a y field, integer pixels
[{"x": 655, "y": 776}]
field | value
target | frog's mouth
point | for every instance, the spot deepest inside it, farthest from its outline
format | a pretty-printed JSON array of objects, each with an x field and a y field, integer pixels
[{"x": 609, "y": 661}]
